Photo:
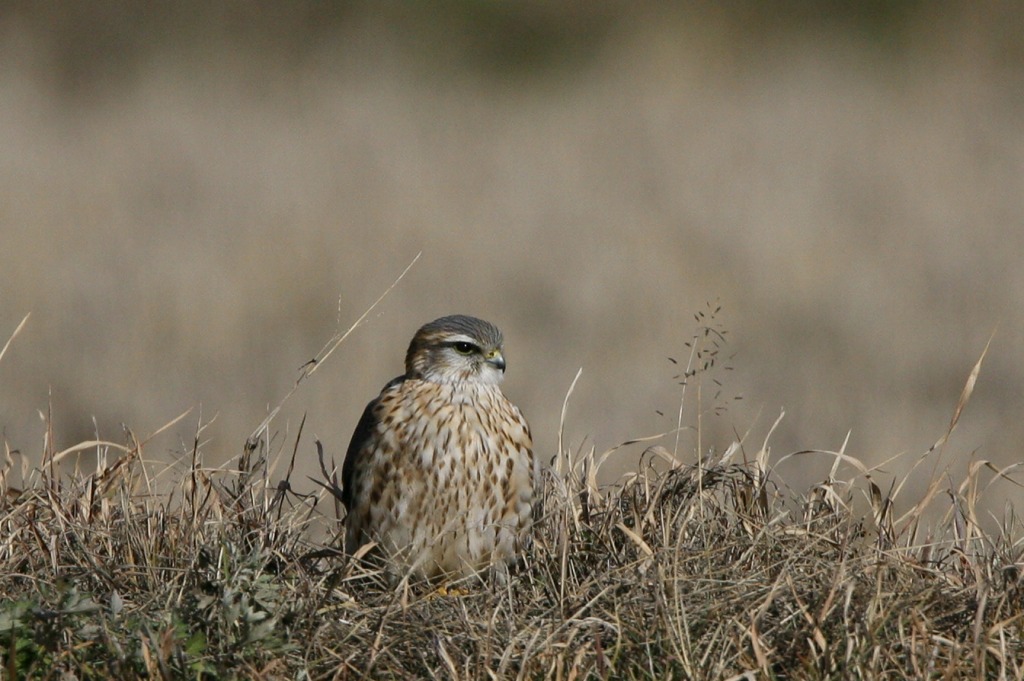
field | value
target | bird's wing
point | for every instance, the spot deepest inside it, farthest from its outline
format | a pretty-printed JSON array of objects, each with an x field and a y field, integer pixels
[{"x": 357, "y": 445}]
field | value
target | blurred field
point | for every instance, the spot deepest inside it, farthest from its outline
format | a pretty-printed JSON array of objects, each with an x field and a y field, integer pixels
[{"x": 194, "y": 204}]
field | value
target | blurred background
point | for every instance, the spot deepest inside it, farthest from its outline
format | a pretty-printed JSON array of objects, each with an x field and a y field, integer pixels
[{"x": 196, "y": 197}]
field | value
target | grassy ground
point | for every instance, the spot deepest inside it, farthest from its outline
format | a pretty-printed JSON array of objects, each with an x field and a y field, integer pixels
[{"x": 713, "y": 570}]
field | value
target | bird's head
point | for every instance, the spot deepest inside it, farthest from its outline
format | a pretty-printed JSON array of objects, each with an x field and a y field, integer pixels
[{"x": 456, "y": 349}]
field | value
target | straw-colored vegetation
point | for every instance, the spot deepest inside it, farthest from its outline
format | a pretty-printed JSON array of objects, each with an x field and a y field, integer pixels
[{"x": 711, "y": 569}]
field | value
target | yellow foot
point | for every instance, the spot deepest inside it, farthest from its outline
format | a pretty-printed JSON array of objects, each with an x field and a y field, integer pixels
[{"x": 444, "y": 591}]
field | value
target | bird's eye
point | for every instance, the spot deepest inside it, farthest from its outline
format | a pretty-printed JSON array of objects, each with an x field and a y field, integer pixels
[{"x": 463, "y": 348}]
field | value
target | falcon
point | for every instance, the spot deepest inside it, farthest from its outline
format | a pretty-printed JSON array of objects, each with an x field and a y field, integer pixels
[{"x": 440, "y": 471}]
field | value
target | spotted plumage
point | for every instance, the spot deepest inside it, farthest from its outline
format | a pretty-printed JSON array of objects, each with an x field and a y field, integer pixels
[{"x": 440, "y": 471}]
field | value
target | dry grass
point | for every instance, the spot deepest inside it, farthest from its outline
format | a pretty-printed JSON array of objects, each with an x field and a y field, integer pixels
[{"x": 713, "y": 570}]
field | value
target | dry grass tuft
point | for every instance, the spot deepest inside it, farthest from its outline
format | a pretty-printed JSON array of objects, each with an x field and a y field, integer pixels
[{"x": 713, "y": 570}]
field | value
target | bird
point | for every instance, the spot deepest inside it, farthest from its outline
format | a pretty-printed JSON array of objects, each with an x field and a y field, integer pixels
[{"x": 440, "y": 471}]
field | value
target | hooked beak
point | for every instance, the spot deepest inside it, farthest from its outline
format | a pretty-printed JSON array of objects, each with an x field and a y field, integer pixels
[{"x": 496, "y": 360}]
